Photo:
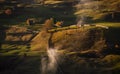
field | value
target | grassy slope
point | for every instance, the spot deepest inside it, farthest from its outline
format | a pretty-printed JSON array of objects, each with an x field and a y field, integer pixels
[
  {"x": 16, "y": 40},
  {"x": 72, "y": 63},
  {"x": 66, "y": 39},
  {"x": 71, "y": 40}
]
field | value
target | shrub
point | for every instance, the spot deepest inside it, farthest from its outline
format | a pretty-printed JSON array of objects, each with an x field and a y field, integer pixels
[
  {"x": 30, "y": 21},
  {"x": 59, "y": 23}
]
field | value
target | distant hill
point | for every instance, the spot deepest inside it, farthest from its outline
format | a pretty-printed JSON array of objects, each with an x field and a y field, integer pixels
[
  {"x": 99, "y": 9},
  {"x": 92, "y": 10}
]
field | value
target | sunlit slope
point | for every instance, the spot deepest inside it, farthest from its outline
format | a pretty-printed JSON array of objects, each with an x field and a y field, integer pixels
[
  {"x": 15, "y": 39},
  {"x": 72, "y": 39}
]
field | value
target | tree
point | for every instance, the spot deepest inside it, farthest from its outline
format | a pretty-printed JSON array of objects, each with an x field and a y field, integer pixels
[
  {"x": 48, "y": 24},
  {"x": 30, "y": 21},
  {"x": 8, "y": 11}
]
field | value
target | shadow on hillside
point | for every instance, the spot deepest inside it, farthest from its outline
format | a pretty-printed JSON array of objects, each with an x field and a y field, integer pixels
[
  {"x": 113, "y": 37},
  {"x": 16, "y": 42},
  {"x": 2, "y": 35},
  {"x": 20, "y": 65}
]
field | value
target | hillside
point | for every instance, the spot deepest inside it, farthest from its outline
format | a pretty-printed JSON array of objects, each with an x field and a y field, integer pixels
[
  {"x": 83, "y": 50},
  {"x": 14, "y": 38},
  {"x": 70, "y": 40}
]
